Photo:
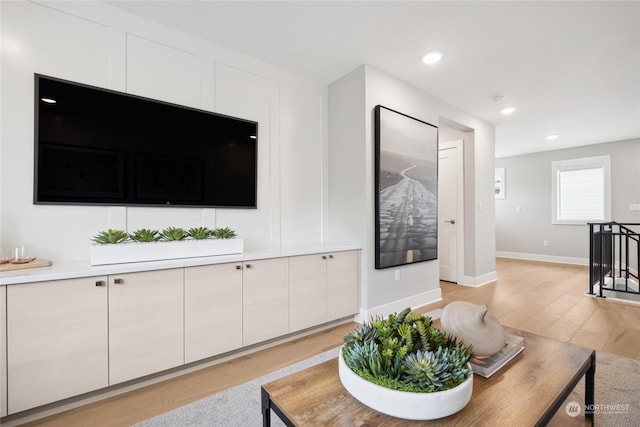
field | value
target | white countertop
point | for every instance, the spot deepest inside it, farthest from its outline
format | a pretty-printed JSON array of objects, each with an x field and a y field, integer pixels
[{"x": 76, "y": 269}]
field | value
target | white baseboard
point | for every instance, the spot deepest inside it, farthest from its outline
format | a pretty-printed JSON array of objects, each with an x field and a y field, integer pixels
[
  {"x": 478, "y": 281},
  {"x": 413, "y": 301},
  {"x": 542, "y": 257}
]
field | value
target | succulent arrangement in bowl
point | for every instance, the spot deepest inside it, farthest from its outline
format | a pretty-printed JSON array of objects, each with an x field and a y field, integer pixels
[{"x": 406, "y": 352}]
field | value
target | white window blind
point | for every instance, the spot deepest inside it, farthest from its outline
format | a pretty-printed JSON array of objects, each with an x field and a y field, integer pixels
[
  {"x": 581, "y": 190},
  {"x": 581, "y": 194}
]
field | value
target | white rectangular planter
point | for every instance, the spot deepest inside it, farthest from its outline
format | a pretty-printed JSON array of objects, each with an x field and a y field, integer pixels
[{"x": 155, "y": 251}]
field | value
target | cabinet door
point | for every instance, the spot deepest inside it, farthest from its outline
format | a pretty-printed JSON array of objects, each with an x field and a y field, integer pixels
[
  {"x": 342, "y": 284},
  {"x": 145, "y": 323},
  {"x": 212, "y": 310},
  {"x": 307, "y": 291},
  {"x": 3, "y": 351},
  {"x": 56, "y": 340},
  {"x": 265, "y": 300}
]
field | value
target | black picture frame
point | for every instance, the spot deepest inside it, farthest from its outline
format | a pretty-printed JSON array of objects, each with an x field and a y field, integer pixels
[{"x": 406, "y": 189}]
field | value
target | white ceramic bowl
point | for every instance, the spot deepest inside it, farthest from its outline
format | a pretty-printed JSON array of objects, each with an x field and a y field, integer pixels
[{"x": 402, "y": 404}]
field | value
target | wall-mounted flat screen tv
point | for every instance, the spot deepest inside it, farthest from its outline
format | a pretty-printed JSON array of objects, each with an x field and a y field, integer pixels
[{"x": 100, "y": 147}]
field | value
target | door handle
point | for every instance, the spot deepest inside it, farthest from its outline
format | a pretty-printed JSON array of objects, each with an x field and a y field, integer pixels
[{"x": 451, "y": 221}]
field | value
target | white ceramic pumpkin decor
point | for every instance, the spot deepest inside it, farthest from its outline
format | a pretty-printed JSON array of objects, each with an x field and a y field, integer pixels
[{"x": 474, "y": 326}]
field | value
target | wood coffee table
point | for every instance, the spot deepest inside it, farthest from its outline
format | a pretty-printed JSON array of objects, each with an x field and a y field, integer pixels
[{"x": 526, "y": 392}]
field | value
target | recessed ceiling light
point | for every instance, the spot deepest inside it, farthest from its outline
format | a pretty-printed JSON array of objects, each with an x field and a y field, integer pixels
[
  {"x": 432, "y": 57},
  {"x": 508, "y": 110},
  {"x": 498, "y": 98},
  {"x": 552, "y": 137},
  {"x": 48, "y": 100},
  {"x": 253, "y": 136}
]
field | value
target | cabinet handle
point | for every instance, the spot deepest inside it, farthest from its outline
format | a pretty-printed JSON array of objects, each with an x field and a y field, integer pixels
[
  {"x": 324, "y": 257},
  {"x": 238, "y": 267},
  {"x": 118, "y": 281},
  {"x": 101, "y": 283},
  {"x": 330, "y": 256},
  {"x": 248, "y": 265}
]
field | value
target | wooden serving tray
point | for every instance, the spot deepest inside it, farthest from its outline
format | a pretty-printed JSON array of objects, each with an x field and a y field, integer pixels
[{"x": 32, "y": 264}]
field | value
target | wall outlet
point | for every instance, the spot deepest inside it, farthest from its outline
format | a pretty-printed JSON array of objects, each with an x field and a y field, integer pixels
[
  {"x": 397, "y": 275},
  {"x": 545, "y": 243}
]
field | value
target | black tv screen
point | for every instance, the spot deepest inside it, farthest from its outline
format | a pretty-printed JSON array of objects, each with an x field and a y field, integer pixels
[{"x": 100, "y": 147}]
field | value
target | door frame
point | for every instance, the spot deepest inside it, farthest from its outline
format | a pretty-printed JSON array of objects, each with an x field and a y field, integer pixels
[{"x": 459, "y": 145}]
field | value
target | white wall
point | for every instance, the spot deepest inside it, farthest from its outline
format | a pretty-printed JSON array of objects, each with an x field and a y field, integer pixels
[
  {"x": 521, "y": 234},
  {"x": 351, "y": 204},
  {"x": 93, "y": 43}
]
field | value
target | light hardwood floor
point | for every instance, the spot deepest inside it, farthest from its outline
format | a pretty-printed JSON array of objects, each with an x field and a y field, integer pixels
[{"x": 543, "y": 298}]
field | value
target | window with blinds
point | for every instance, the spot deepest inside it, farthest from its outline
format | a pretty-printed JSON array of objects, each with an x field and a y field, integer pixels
[{"x": 581, "y": 190}]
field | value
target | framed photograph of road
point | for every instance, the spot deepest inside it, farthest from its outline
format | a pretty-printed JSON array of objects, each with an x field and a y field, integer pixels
[{"x": 406, "y": 187}]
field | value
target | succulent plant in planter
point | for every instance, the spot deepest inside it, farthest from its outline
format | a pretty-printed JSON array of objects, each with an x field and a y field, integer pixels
[
  {"x": 199, "y": 233},
  {"x": 405, "y": 352},
  {"x": 223, "y": 233},
  {"x": 110, "y": 237},
  {"x": 404, "y": 367},
  {"x": 174, "y": 233},
  {"x": 173, "y": 243},
  {"x": 145, "y": 235}
]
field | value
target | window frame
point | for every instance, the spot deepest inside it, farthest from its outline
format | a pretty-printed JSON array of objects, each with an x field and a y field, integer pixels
[{"x": 594, "y": 162}]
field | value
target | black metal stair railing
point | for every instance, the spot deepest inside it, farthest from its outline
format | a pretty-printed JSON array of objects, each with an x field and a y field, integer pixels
[{"x": 614, "y": 256}]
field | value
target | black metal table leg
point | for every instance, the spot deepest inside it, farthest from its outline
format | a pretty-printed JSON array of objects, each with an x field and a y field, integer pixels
[
  {"x": 266, "y": 408},
  {"x": 589, "y": 389}
]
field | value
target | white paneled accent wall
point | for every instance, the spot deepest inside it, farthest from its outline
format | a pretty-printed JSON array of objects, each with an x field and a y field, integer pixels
[
  {"x": 243, "y": 94},
  {"x": 94, "y": 43},
  {"x": 37, "y": 39},
  {"x": 162, "y": 72},
  {"x": 301, "y": 165}
]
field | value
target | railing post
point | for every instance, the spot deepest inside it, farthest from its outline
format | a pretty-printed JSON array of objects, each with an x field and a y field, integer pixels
[
  {"x": 601, "y": 259},
  {"x": 619, "y": 236},
  {"x": 591, "y": 255}
]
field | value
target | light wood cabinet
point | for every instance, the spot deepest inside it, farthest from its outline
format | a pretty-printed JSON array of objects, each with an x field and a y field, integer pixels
[
  {"x": 307, "y": 291},
  {"x": 265, "y": 300},
  {"x": 56, "y": 340},
  {"x": 343, "y": 279},
  {"x": 146, "y": 322},
  {"x": 322, "y": 288},
  {"x": 212, "y": 310},
  {"x": 3, "y": 351},
  {"x": 63, "y": 338}
]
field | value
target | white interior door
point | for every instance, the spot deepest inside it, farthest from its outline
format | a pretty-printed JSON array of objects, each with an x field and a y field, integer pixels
[{"x": 450, "y": 181}]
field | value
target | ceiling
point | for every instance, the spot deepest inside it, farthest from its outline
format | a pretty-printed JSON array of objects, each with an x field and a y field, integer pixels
[{"x": 571, "y": 68}]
